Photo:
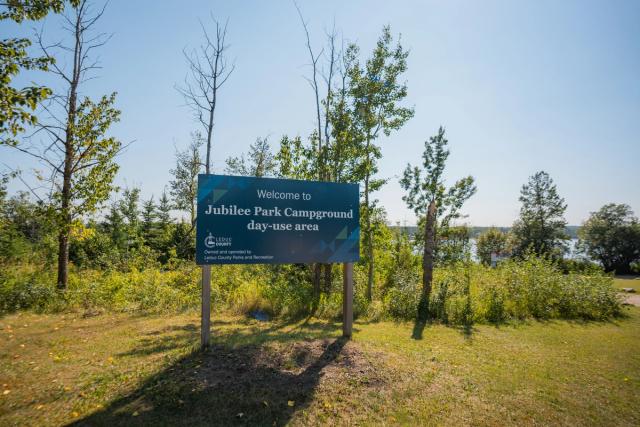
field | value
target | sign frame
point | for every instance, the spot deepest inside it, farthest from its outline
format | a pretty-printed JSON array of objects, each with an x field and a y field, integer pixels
[
  {"x": 347, "y": 246},
  {"x": 249, "y": 220}
]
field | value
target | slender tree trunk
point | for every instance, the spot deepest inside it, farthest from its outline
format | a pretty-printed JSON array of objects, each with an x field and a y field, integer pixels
[
  {"x": 368, "y": 231},
  {"x": 65, "y": 206},
  {"x": 328, "y": 277},
  {"x": 427, "y": 262},
  {"x": 65, "y": 214},
  {"x": 209, "y": 137},
  {"x": 316, "y": 280}
]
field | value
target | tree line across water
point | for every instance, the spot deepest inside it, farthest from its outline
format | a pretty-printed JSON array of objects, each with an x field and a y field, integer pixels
[{"x": 71, "y": 214}]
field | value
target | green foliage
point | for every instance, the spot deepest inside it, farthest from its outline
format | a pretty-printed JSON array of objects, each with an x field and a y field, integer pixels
[
  {"x": 463, "y": 293},
  {"x": 90, "y": 166},
  {"x": 402, "y": 302},
  {"x": 297, "y": 160},
  {"x": 403, "y": 268},
  {"x": 260, "y": 161},
  {"x": 612, "y": 237},
  {"x": 491, "y": 241},
  {"x": 184, "y": 185},
  {"x": 376, "y": 91},
  {"x": 290, "y": 293},
  {"x": 25, "y": 229},
  {"x": 17, "y": 106},
  {"x": 582, "y": 266},
  {"x": 151, "y": 291},
  {"x": 21, "y": 10},
  {"x": 531, "y": 288},
  {"x": 541, "y": 226},
  {"x": 422, "y": 190},
  {"x": 25, "y": 287},
  {"x": 452, "y": 245}
]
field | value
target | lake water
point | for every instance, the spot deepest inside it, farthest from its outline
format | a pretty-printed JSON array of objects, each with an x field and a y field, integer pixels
[{"x": 571, "y": 254}]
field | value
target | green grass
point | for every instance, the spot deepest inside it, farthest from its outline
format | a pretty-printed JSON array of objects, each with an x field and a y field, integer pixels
[
  {"x": 627, "y": 282},
  {"x": 118, "y": 369}
]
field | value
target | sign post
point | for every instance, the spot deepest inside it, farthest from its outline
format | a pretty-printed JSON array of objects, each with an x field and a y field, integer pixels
[
  {"x": 205, "y": 314},
  {"x": 247, "y": 220},
  {"x": 347, "y": 299}
]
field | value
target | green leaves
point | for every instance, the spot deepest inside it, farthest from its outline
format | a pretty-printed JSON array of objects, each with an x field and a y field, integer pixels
[
  {"x": 612, "y": 236},
  {"x": 20, "y": 10},
  {"x": 184, "y": 185},
  {"x": 92, "y": 162},
  {"x": 426, "y": 184},
  {"x": 17, "y": 105},
  {"x": 491, "y": 241},
  {"x": 259, "y": 162}
]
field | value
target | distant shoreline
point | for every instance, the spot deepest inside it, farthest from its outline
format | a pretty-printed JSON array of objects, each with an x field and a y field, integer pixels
[{"x": 475, "y": 231}]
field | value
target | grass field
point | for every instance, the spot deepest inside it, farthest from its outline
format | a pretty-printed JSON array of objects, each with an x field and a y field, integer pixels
[
  {"x": 627, "y": 282},
  {"x": 127, "y": 370}
]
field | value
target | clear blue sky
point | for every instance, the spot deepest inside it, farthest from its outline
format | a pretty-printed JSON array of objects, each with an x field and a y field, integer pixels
[{"x": 520, "y": 86}]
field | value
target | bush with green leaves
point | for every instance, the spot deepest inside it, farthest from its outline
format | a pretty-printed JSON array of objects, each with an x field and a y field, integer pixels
[
  {"x": 518, "y": 289},
  {"x": 463, "y": 292}
]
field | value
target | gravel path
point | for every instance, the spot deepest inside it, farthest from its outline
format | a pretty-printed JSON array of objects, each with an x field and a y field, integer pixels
[{"x": 632, "y": 299}]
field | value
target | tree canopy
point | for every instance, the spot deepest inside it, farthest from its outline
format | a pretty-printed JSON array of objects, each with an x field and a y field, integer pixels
[{"x": 612, "y": 236}]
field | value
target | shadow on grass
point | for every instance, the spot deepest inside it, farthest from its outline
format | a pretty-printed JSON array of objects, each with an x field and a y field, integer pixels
[
  {"x": 238, "y": 381},
  {"x": 418, "y": 329}
]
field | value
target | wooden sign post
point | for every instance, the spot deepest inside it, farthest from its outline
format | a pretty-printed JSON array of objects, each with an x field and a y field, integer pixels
[
  {"x": 347, "y": 299},
  {"x": 205, "y": 317}
]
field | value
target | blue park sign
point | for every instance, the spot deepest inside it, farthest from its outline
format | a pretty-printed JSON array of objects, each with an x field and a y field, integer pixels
[{"x": 245, "y": 220}]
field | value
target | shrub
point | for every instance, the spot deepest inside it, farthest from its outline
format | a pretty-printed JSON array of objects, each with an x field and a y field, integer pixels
[
  {"x": 518, "y": 289},
  {"x": 25, "y": 287},
  {"x": 462, "y": 293},
  {"x": 402, "y": 303}
]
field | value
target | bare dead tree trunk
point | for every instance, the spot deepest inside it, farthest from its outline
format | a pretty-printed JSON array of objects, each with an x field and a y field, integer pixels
[
  {"x": 208, "y": 72},
  {"x": 324, "y": 160},
  {"x": 427, "y": 261},
  {"x": 313, "y": 82}
]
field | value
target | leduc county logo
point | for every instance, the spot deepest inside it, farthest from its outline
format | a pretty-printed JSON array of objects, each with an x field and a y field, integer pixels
[{"x": 210, "y": 241}]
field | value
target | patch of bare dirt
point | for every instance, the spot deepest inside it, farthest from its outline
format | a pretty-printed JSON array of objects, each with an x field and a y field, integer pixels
[
  {"x": 632, "y": 299},
  {"x": 247, "y": 385}
]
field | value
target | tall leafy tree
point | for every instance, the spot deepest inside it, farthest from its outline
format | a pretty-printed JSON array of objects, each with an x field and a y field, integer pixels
[
  {"x": 433, "y": 202},
  {"x": 18, "y": 105},
  {"x": 77, "y": 152},
  {"x": 612, "y": 236},
  {"x": 376, "y": 91},
  {"x": 541, "y": 226}
]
